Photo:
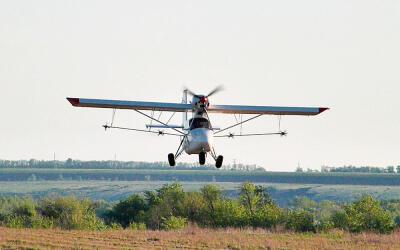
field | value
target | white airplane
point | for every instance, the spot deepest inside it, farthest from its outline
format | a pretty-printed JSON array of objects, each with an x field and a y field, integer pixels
[{"x": 196, "y": 134}]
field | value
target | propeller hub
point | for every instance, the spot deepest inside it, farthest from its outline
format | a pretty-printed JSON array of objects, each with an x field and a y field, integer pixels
[{"x": 203, "y": 99}]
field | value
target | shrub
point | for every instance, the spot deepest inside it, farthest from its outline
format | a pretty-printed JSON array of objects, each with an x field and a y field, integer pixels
[
  {"x": 70, "y": 213},
  {"x": 230, "y": 213},
  {"x": 325, "y": 226},
  {"x": 366, "y": 214},
  {"x": 136, "y": 225},
  {"x": 114, "y": 226},
  {"x": 25, "y": 209},
  {"x": 302, "y": 221},
  {"x": 173, "y": 222},
  {"x": 339, "y": 220},
  {"x": 166, "y": 201},
  {"x": 129, "y": 210}
]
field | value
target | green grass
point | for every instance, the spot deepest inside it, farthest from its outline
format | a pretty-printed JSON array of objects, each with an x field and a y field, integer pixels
[
  {"x": 116, "y": 190},
  {"x": 201, "y": 176}
]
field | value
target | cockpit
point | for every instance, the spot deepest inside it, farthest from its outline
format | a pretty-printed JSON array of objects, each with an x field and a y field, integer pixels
[{"x": 199, "y": 123}]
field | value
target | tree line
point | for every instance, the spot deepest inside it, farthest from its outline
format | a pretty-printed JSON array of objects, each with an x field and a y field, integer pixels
[
  {"x": 361, "y": 169},
  {"x": 170, "y": 207},
  {"x": 78, "y": 164}
]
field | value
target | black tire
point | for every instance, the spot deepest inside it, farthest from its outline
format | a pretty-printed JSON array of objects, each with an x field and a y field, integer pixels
[
  {"x": 202, "y": 158},
  {"x": 171, "y": 159},
  {"x": 218, "y": 162}
]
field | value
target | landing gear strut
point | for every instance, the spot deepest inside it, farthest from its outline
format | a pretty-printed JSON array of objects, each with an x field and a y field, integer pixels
[
  {"x": 202, "y": 158},
  {"x": 172, "y": 157}
]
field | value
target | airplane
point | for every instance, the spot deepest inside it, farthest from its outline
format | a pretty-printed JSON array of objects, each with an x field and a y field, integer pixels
[{"x": 197, "y": 133}]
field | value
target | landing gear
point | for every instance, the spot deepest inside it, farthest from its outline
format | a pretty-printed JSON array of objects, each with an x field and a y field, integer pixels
[
  {"x": 202, "y": 158},
  {"x": 218, "y": 162},
  {"x": 171, "y": 159}
]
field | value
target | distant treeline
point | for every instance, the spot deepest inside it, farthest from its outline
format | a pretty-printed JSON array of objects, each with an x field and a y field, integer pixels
[
  {"x": 362, "y": 169},
  {"x": 170, "y": 207},
  {"x": 77, "y": 164},
  {"x": 35, "y": 174}
]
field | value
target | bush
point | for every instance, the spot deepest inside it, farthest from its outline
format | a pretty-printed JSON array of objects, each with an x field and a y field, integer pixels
[
  {"x": 173, "y": 222},
  {"x": 70, "y": 213},
  {"x": 230, "y": 213},
  {"x": 302, "y": 221},
  {"x": 165, "y": 202},
  {"x": 339, "y": 220},
  {"x": 114, "y": 226},
  {"x": 136, "y": 225},
  {"x": 325, "y": 226},
  {"x": 366, "y": 214},
  {"x": 28, "y": 222},
  {"x": 131, "y": 209}
]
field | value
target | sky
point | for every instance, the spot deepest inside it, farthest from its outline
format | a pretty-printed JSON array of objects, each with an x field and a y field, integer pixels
[{"x": 342, "y": 54}]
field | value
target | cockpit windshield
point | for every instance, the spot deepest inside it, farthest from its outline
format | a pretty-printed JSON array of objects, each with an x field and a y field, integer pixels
[{"x": 199, "y": 123}]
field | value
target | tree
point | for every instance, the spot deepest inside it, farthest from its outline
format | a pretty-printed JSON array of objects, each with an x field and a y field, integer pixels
[
  {"x": 366, "y": 214},
  {"x": 131, "y": 209},
  {"x": 165, "y": 202},
  {"x": 248, "y": 197},
  {"x": 211, "y": 195},
  {"x": 390, "y": 169},
  {"x": 302, "y": 221}
]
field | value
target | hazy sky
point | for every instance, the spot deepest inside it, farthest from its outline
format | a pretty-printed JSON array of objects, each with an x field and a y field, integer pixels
[{"x": 341, "y": 54}]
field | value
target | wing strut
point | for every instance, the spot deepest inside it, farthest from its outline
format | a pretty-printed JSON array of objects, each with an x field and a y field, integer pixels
[
  {"x": 165, "y": 124},
  {"x": 234, "y": 125},
  {"x": 231, "y": 135},
  {"x": 142, "y": 130}
]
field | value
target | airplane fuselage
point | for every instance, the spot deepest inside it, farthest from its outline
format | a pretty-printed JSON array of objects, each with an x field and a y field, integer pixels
[
  {"x": 199, "y": 140},
  {"x": 200, "y": 137}
]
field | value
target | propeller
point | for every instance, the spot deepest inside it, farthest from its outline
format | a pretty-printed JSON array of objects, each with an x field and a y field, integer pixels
[
  {"x": 216, "y": 90},
  {"x": 212, "y": 92}
]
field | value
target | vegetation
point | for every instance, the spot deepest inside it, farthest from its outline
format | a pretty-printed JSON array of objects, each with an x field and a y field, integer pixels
[
  {"x": 326, "y": 178},
  {"x": 170, "y": 207},
  {"x": 362, "y": 169},
  {"x": 111, "y": 191},
  {"x": 77, "y": 164},
  {"x": 192, "y": 237}
]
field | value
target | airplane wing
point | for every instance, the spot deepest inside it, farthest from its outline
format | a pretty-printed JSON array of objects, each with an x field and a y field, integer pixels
[
  {"x": 118, "y": 104},
  {"x": 269, "y": 110}
]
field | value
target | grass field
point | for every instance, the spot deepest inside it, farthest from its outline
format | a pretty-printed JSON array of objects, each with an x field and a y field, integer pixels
[
  {"x": 191, "y": 238},
  {"x": 117, "y": 190},
  {"x": 10, "y": 174}
]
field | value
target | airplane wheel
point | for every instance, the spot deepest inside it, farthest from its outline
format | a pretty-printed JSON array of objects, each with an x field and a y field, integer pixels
[
  {"x": 202, "y": 158},
  {"x": 171, "y": 159},
  {"x": 218, "y": 162}
]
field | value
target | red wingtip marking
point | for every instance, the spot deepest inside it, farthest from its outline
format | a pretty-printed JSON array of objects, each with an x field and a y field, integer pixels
[
  {"x": 322, "y": 110},
  {"x": 73, "y": 101}
]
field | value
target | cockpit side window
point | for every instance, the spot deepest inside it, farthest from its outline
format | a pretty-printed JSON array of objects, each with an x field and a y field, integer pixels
[{"x": 199, "y": 123}]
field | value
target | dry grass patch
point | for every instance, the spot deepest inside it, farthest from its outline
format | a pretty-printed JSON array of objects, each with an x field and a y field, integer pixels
[{"x": 192, "y": 238}]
